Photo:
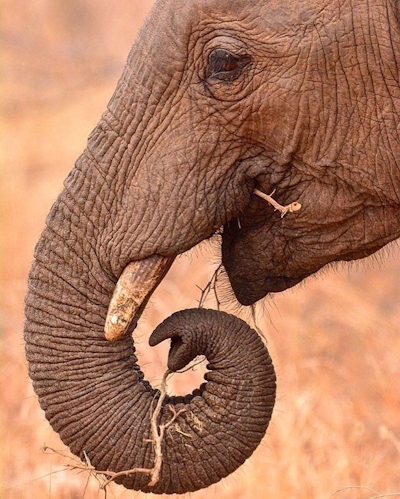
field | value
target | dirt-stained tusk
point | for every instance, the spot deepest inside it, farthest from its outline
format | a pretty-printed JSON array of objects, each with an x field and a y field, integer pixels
[{"x": 132, "y": 291}]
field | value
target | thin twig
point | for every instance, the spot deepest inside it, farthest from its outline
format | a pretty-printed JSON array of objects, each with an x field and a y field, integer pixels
[
  {"x": 211, "y": 286},
  {"x": 157, "y": 433},
  {"x": 289, "y": 208},
  {"x": 377, "y": 495},
  {"x": 87, "y": 466},
  {"x": 201, "y": 359}
]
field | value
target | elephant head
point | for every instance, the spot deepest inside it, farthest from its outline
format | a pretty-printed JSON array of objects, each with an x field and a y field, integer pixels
[{"x": 218, "y": 98}]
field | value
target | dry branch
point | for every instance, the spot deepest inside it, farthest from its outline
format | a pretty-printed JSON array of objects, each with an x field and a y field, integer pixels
[
  {"x": 289, "y": 208},
  {"x": 211, "y": 286},
  {"x": 157, "y": 434}
]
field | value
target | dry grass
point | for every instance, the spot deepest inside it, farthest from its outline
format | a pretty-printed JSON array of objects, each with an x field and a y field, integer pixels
[{"x": 335, "y": 341}]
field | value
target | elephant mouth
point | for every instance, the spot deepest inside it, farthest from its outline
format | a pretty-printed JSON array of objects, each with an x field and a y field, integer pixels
[
  {"x": 139, "y": 280},
  {"x": 133, "y": 290},
  {"x": 248, "y": 293},
  {"x": 277, "y": 284}
]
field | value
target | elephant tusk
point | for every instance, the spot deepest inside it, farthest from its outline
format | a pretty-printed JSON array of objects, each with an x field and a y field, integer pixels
[{"x": 132, "y": 292}]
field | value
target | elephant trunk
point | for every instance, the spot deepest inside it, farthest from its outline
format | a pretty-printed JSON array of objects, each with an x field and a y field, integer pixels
[
  {"x": 95, "y": 395},
  {"x": 117, "y": 208}
]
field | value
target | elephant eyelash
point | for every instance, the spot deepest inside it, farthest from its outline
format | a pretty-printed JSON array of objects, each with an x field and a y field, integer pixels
[{"x": 225, "y": 66}]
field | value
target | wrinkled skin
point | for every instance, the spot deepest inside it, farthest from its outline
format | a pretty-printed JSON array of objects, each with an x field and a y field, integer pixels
[{"x": 217, "y": 98}]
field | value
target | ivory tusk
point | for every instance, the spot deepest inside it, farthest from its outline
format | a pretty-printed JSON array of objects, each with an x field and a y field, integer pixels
[{"x": 132, "y": 291}]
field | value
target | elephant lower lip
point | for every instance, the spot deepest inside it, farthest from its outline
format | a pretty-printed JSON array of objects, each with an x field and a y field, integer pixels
[
  {"x": 277, "y": 284},
  {"x": 132, "y": 292},
  {"x": 255, "y": 291}
]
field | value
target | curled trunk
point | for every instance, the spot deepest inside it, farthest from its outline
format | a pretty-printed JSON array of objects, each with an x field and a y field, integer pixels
[{"x": 95, "y": 396}]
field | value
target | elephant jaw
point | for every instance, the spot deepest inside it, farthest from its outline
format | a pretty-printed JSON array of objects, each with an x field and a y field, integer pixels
[{"x": 134, "y": 288}]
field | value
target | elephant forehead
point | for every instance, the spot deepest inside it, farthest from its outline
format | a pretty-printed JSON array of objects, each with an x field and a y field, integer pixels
[
  {"x": 261, "y": 11},
  {"x": 256, "y": 17},
  {"x": 175, "y": 26},
  {"x": 279, "y": 16}
]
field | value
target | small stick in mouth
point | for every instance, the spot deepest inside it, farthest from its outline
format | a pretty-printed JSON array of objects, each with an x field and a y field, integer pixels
[
  {"x": 289, "y": 208},
  {"x": 132, "y": 292}
]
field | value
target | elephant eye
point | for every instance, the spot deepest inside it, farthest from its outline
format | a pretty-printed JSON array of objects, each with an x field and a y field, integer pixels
[{"x": 225, "y": 66}]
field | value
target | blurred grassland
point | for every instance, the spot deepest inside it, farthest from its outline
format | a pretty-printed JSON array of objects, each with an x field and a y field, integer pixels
[{"x": 335, "y": 340}]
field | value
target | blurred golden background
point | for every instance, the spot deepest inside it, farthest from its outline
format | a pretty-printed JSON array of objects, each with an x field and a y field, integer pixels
[{"x": 335, "y": 340}]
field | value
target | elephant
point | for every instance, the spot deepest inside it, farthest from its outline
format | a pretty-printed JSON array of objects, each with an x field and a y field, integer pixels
[{"x": 219, "y": 102}]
